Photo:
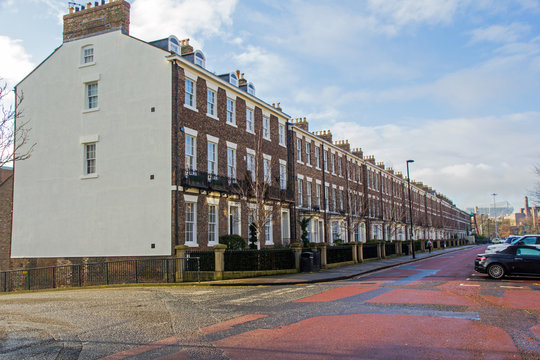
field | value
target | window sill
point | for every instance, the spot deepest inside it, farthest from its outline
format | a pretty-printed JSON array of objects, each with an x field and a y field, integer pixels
[
  {"x": 89, "y": 176},
  {"x": 86, "y": 111},
  {"x": 191, "y": 244},
  {"x": 300, "y": 162},
  {"x": 232, "y": 124},
  {"x": 267, "y": 138},
  {"x": 191, "y": 108},
  {"x": 309, "y": 165},
  {"x": 212, "y": 116},
  {"x": 87, "y": 65},
  {"x": 250, "y": 132},
  {"x": 285, "y": 146}
]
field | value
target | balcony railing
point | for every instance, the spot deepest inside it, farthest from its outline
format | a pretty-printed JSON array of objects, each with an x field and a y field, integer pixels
[{"x": 212, "y": 182}]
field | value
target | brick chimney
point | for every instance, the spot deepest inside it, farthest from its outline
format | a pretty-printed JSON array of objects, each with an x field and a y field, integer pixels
[
  {"x": 326, "y": 135},
  {"x": 301, "y": 123},
  {"x": 370, "y": 159},
  {"x": 343, "y": 144},
  {"x": 94, "y": 19},
  {"x": 185, "y": 48},
  {"x": 358, "y": 152},
  {"x": 381, "y": 165},
  {"x": 241, "y": 80}
]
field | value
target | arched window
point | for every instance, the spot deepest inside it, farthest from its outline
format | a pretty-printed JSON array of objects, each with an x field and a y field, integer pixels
[
  {"x": 199, "y": 58},
  {"x": 174, "y": 45},
  {"x": 233, "y": 79},
  {"x": 251, "y": 89}
]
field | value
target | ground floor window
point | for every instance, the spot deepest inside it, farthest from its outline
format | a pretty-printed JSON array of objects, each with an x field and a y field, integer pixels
[
  {"x": 191, "y": 222},
  {"x": 268, "y": 231},
  {"x": 212, "y": 224}
]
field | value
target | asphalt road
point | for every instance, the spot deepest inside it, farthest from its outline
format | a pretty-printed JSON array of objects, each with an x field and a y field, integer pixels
[{"x": 431, "y": 309}]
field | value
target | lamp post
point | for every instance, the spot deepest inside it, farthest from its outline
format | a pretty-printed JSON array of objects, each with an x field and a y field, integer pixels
[
  {"x": 495, "y": 215},
  {"x": 410, "y": 208}
]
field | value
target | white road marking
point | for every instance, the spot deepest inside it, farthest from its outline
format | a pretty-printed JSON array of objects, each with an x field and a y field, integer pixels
[
  {"x": 513, "y": 287},
  {"x": 258, "y": 297},
  {"x": 469, "y": 285}
]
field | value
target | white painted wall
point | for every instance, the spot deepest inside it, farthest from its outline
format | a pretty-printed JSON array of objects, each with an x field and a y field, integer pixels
[{"x": 121, "y": 212}]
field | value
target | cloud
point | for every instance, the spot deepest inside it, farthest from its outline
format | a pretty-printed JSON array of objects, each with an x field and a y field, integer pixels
[
  {"x": 156, "y": 19},
  {"x": 500, "y": 33},
  {"x": 465, "y": 158},
  {"x": 15, "y": 61}
]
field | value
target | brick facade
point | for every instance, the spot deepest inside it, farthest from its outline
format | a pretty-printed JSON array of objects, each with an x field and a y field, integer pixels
[{"x": 6, "y": 203}]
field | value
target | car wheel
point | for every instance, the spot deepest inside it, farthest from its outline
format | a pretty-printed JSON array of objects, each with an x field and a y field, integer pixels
[{"x": 495, "y": 271}]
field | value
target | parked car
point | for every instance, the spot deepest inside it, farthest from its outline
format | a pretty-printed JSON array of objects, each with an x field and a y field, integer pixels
[
  {"x": 514, "y": 260},
  {"x": 519, "y": 240}
]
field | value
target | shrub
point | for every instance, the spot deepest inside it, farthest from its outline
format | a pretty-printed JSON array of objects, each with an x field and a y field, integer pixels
[{"x": 233, "y": 242}]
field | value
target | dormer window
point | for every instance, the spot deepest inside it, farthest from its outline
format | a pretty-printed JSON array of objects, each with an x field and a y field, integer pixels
[
  {"x": 174, "y": 45},
  {"x": 251, "y": 89},
  {"x": 199, "y": 58},
  {"x": 233, "y": 79},
  {"x": 87, "y": 56}
]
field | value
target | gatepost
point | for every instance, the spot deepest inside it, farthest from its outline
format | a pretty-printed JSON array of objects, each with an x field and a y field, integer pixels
[
  {"x": 297, "y": 249},
  {"x": 354, "y": 253},
  {"x": 323, "y": 255},
  {"x": 397, "y": 244},
  {"x": 379, "y": 251},
  {"x": 219, "y": 254},
  {"x": 180, "y": 252},
  {"x": 360, "y": 252}
]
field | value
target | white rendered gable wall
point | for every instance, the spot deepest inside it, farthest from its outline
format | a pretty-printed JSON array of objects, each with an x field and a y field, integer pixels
[{"x": 122, "y": 211}]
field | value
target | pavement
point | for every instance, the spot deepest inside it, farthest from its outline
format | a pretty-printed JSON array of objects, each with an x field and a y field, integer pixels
[{"x": 338, "y": 273}]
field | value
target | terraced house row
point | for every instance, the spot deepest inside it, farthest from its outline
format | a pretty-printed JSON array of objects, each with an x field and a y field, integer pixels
[{"x": 140, "y": 148}]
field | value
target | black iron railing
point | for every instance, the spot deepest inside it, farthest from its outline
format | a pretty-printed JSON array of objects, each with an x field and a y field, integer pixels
[
  {"x": 389, "y": 248},
  {"x": 337, "y": 254},
  {"x": 257, "y": 260},
  {"x": 369, "y": 251},
  {"x": 162, "y": 270}
]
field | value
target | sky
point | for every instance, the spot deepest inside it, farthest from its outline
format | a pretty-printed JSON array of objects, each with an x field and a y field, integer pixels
[{"x": 452, "y": 84}]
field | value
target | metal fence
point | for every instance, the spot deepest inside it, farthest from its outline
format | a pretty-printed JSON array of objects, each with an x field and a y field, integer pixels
[
  {"x": 207, "y": 259},
  {"x": 256, "y": 260},
  {"x": 389, "y": 248},
  {"x": 162, "y": 270},
  {"x": 337, "y": 254},
  {"x": 370, "y": 251}
]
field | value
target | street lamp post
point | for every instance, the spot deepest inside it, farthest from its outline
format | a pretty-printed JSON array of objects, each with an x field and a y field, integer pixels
[
  {"x": 410, "y": 208},
  {"x": 495, "y": 215}
]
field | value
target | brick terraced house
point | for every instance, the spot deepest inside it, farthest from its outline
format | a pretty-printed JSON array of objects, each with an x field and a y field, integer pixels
[{"x": 140, "y": 148}]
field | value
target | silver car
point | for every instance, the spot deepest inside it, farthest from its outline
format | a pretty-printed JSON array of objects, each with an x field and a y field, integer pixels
[{"x": 533, "y": 239}]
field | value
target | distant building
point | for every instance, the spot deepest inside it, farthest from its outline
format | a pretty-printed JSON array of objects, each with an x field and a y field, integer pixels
[
  {"x": 6, "y": 204},
  {"x": 527, "y": 214}
]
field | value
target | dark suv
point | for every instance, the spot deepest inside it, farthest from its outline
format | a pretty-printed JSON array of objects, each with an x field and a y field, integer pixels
[{"x": 514, "y": 260}]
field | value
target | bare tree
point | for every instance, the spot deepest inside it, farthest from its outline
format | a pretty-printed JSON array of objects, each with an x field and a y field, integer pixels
[
  {"x": 257, "y": 188},
  {"x": 14, "y": 132}
]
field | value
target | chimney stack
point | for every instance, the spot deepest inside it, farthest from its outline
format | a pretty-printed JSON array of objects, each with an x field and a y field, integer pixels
[
  {"x": 185, "y": 48},
  {"x": 102, "y": 17},
  {"x": 343, "y": 144}
]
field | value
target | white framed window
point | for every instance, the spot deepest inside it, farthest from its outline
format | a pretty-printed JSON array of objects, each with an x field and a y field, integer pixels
[
  {"x": 230, "y": 112},
  {"x": 267, "y": 171},
  {"x": 212, "y": 224},
  {"x": 191, "y": 161},
  {"x": 315, "y": 231},
  {"x": 281, "y": 134},
  {"x": 300, "y": 193},
  {"x": 299, "y": 150},
  {"x": 250, "y": 166},
  {"x": 191, "y": 223},
  {"x": 268, "y": 231},
  {"x": 340, "y": 199},
  {"x": 308, "y": 153},
  {"x": 308, "y": 195},
  {"x": 285, "y": 229},
  {"x": 189, "y": 93},
  {"x": 282, "y": 176},
  {"x": 317, "y": 157},
  {"x": 335, "y": 231},
  {"x": 211, "y": 102},
  {"x": 231, "y": 163},
  {"x": 339, "y": 166},
  {"x": 333, "y": 163},
  {"x": 325, "y": 160},
  {"x": 233, "y": 79},
  {"x": 326, "y": 204},
  {"x": 266, "y": 127},
  {"x": 334, "y": 198},
  {"x": 234, "y": 219},
  {"x": 89, "y": 159},
  {"x": 87, "y": 54},
  {"x": 199, "y": 58},
  {"x": 212, "y": 158},
  {"x": 318, "y": 199},
  {"x": 92, "y": 95},
  {"x": 251, "y": 89},
  {"x": 249, "y": 121}
]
